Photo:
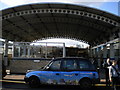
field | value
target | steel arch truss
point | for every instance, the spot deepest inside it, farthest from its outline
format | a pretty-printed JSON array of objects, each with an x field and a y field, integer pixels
[{"x": 62, "y": 11}]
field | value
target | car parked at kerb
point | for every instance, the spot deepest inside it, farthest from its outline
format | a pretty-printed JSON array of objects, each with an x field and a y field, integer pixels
[{"x": 64, "y": 71}]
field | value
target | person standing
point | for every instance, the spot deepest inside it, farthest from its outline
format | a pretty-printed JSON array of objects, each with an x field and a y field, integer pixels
[
  {"x": 113, "y": 74},
  {"x": 106, "y": 64}
]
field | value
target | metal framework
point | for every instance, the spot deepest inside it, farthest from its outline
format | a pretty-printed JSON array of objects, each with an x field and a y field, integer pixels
[
  {"x": 62, "y": 11},
  {"x": 39, "y": 21}
]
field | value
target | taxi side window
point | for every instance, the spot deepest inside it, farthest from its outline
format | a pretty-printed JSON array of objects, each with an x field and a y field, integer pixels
[
  {"x": 84, "y": 65},
  {"x": 55, "y": 65},
  {"x": 69, "y": 65}
]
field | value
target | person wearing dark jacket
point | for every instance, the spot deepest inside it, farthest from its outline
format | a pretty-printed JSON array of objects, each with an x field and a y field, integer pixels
[{"x": 113, "y": 74}]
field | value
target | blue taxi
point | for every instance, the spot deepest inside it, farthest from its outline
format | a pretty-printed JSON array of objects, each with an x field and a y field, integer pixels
[{"x": 64, "y": 71}]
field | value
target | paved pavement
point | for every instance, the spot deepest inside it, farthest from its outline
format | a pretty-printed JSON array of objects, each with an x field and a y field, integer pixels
[{"x": 14, "y": 77}]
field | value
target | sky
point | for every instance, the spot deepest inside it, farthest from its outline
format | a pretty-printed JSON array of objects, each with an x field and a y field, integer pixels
[
  {"x": 106, "y": 5},
  {"x": 110, "y": 6}
]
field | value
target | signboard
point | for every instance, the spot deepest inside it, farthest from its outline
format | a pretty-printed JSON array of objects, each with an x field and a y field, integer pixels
[{"x": 36, "y": 61}]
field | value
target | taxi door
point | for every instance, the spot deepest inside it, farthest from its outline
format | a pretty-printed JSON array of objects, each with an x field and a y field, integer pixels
[
  {"x": 69, "y": 73},
  {"x": 52, "y": 74}
]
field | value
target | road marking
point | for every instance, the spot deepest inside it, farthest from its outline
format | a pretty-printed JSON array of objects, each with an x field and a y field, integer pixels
[
  {"x": 104, "y": 85},
  {"x": 100, "y": 84},
  {"x": 12, "y": 81}
]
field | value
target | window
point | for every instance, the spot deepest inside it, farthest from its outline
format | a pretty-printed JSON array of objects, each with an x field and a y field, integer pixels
[
  {"x": 69, "y": 65},
  {"x": 55, "y": 65},
  {"x": 85, "y": 65}
]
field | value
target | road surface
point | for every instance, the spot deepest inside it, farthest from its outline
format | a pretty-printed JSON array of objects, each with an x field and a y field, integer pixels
[{"x": 20, "y": 85}]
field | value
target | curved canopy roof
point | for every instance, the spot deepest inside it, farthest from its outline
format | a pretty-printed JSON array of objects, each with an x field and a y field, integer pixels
[{"x": 38, "y": 21}]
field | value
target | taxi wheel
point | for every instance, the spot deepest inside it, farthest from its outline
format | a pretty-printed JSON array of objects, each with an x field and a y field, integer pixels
[
  {"x": 34, "y": 82},
  {"x": 85, "y": 83}
]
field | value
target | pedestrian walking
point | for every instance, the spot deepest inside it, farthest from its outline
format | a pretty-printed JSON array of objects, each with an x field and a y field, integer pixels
[{"x": 113, "y": 74}]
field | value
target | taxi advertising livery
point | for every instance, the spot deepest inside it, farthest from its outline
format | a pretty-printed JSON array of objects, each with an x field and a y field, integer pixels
[{"x": 64, "y": 71}]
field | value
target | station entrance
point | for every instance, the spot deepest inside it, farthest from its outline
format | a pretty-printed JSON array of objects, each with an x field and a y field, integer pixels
[{"x": 100, "y": 29}]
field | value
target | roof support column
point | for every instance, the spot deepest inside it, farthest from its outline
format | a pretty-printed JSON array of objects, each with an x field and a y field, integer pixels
[
  {"x": 46, "y": 51},
  {"x": 32, "y": 51},
  {"x": 24, "y": 50},
  {"x": 119, "y": 46},
  {"x": 94, "y": 51},
  {"x": 28, "y": 51},
  {"x": 105, "y": 53},
  {"x": 98, "y": 55},
  {"x": 90, "y": 51},
  {"x": 119, "y": 35},
  {"x": 112, "y": 52},
  {"x": 6, "y": 53},
  {"x": 13, "y": 49},
  {"x": 19, "y": 52},
  {"x": 64, "y": 50}
]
